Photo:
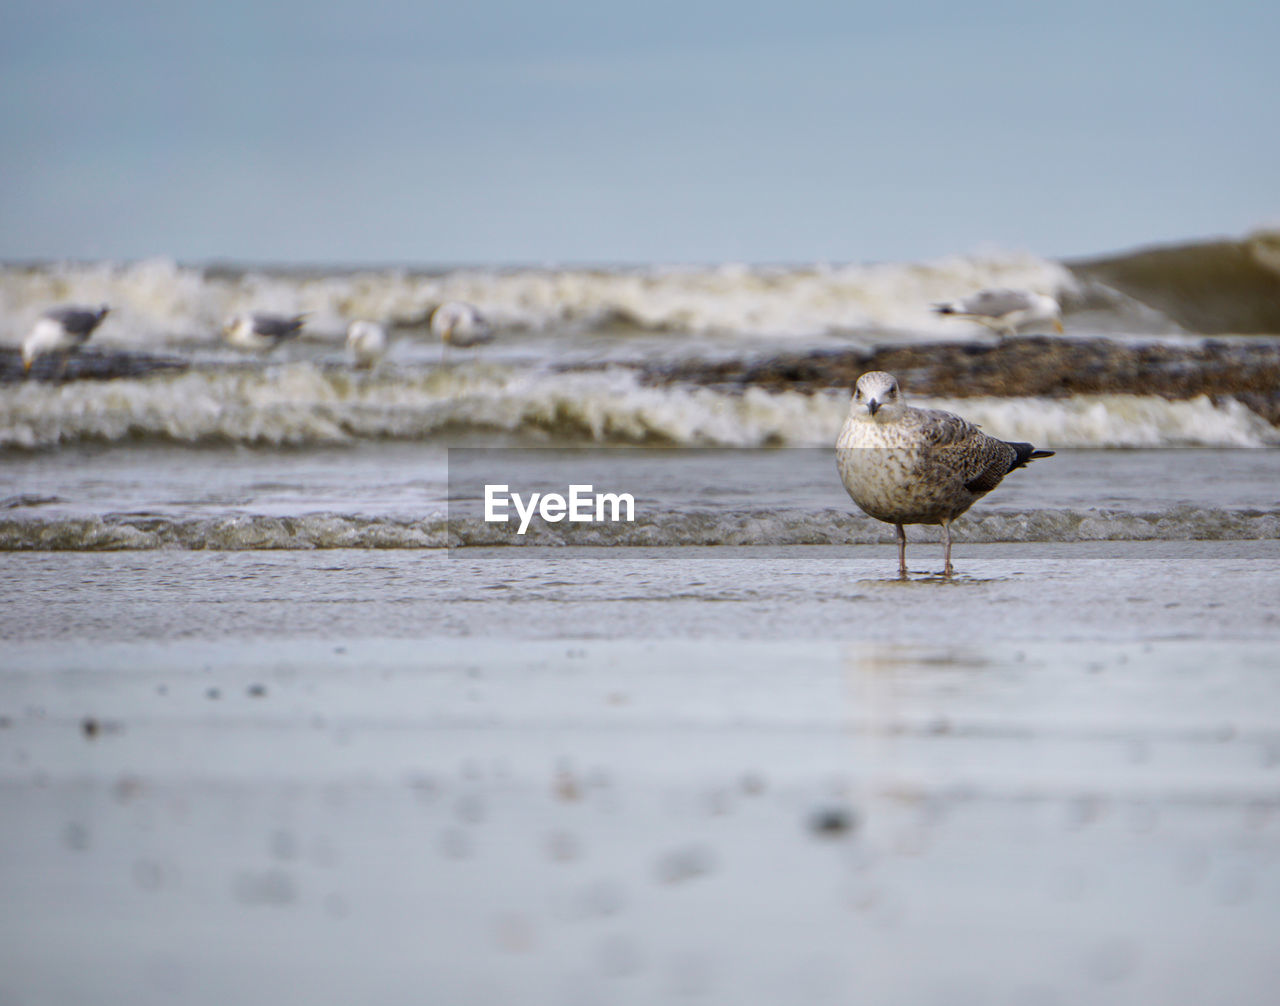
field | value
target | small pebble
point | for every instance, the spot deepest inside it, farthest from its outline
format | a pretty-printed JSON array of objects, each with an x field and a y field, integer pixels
[{"x": 832, "y": 822}]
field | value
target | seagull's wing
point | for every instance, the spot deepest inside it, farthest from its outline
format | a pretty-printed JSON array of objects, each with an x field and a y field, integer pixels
[
  {"x": 75, "y": 320},
  {"x": 980, "y": 460},
  {"x": 994, "y": 459},
  {"x": 942, "y": 429},
  {"x": 991, "y": 460},
  {"x": 996, "y": 303},
  {"x": 275, "y": 327}
]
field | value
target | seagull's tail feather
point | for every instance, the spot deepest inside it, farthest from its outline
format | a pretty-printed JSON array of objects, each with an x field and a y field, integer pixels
[
  {"x": 294, "y": 325},
  {"x": 1024, "y": 453}
]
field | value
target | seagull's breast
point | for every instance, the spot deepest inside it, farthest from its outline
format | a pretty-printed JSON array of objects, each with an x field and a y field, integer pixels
[
  {"x": 49, "y": 336},
  {"x": 896, "y": 474}
]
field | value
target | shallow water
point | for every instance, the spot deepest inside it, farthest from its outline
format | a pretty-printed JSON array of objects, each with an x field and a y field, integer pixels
[
  {"x": 1082, "y": 590},
  {"x": 413, "y": 479},
  {"x": 410, "y": 496},
  {"x": 638, "y": 775}
]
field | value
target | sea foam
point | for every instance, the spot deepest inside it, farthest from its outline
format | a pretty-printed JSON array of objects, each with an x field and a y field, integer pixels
[
  {"x": 772, "y": 527},
  {"x": 158, "y": 302},
  {"x": 304, "y": 404}
]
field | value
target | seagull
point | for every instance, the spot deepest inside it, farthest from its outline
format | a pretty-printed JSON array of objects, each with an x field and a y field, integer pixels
[
  {"x": 367, "y": 341},
  {"x": 904, "y": 465},
  {"x": 457, "y": 323},
  {"x": 261, "y": 331},
  {"x": 1006, "y": 311},
  {"x": 61, "y": 330}
]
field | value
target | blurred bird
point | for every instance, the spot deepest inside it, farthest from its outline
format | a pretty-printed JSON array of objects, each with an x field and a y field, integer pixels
[
  {"x": 61, "y": 330},
  {"x": 1006, "y": 312},
  {"x": 456, "y": 323},
  {"x": 261, "y": 332},
  {"x": 367, "y": 342}
]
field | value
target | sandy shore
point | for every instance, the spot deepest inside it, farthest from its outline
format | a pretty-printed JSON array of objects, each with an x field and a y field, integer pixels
[{"x": 644, "y": 775}]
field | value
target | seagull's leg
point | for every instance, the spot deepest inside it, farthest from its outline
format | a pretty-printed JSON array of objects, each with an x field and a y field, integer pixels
[
  {"x": 946, "y": 539},
  {"x": 902, "y": 551}
]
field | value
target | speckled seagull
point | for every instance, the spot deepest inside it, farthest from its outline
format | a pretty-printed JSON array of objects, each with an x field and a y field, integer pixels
[
  {"x": 904, "y": 465},
  {"x": 61, "y": 330}
]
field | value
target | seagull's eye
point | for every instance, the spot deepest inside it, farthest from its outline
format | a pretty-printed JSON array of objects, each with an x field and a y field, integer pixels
[{"x": 857, "y": 393}]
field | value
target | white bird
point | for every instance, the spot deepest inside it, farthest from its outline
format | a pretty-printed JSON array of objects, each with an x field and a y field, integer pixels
[
  {"x": 61, "y": 330},
  {"x": 456, "y": 323},
  {"x": 261, "y": 332},
  {"x": 904, "y": 465},
  {"x": 367, "y": 342},
  {"x": 1006, "y": 312}
]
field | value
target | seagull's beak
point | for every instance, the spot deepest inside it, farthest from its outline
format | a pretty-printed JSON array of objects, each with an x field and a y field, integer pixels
[
  {"x": 26, "y": 366},
  {"x": 873, "y": 407},
  {"x": 1057, "y": 325}
]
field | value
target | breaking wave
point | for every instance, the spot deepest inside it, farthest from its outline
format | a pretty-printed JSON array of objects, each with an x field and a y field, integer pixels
[
  {"x": 306, "y": 404},
  {"x": 1212, "y": 287},
  {"x": 1204, "y": 287},
  {"x": 159, "y": 302},
  {"x": 133, "y": 532}
]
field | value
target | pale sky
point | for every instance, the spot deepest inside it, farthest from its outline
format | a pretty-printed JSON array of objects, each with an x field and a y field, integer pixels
[{"x": 507, "y": 132}]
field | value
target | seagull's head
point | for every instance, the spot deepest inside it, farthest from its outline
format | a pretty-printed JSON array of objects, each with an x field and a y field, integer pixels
[
  {"x": 877, "y": 396},
  {"x": 237, "y": 326},
  {"x": 361, "y": 331}
]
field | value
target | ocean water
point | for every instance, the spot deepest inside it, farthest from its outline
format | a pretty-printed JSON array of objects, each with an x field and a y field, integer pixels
[
  {"x": 1211, "y": 288},
  {"x": 179, "y": 441},
  {"x": 282, "y": 716},
  {"x": 400, "y": 495}
]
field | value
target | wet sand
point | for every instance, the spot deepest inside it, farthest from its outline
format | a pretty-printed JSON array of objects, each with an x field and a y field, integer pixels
[{"x": 643, "y": 775}]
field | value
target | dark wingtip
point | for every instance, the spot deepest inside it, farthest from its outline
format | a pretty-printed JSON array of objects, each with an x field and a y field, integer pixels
[
  {"x": 943, "y": 309},
  {"x": 1022, "y": 453}
]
